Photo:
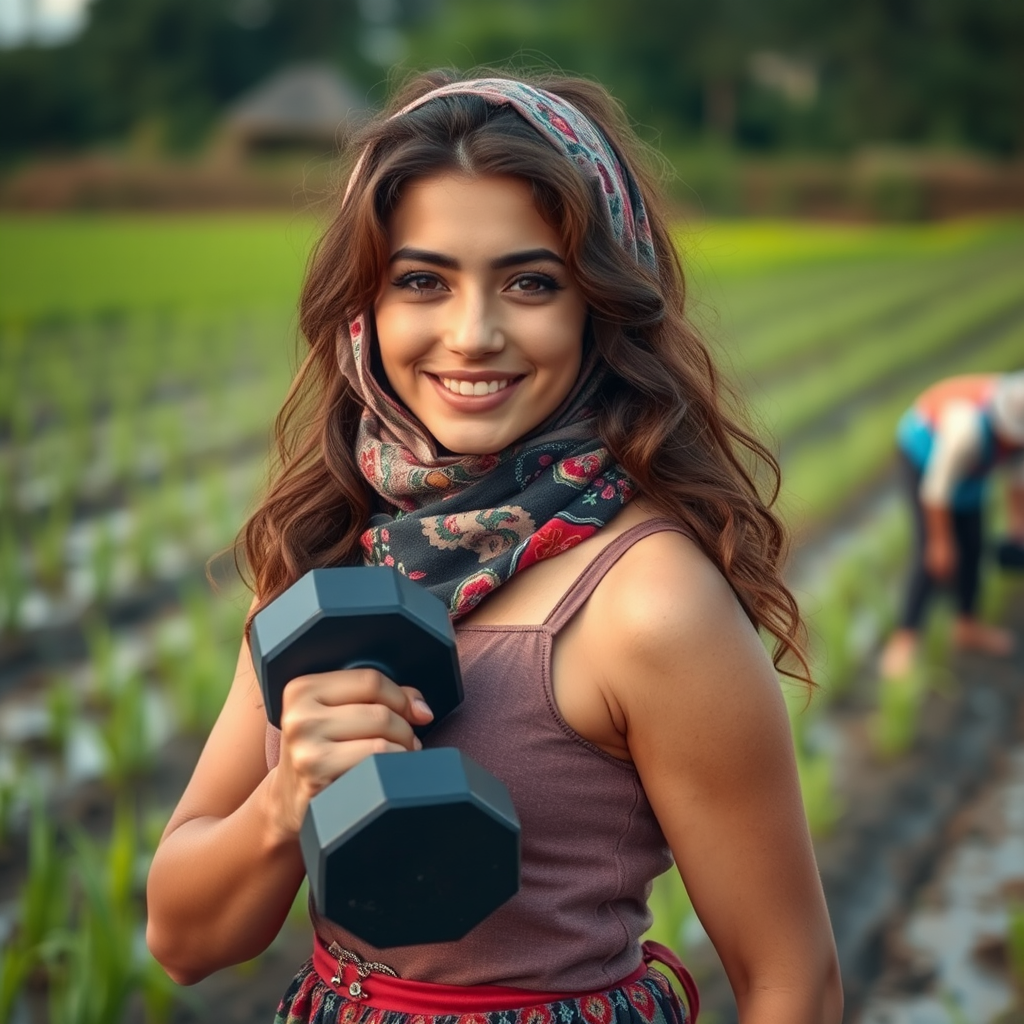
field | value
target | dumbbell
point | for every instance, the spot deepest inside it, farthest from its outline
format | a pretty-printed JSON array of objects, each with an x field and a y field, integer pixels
[{"x": 405, "y": 848}]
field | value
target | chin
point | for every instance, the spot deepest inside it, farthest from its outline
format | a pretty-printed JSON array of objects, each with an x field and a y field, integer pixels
[{"x": 463, "y": 447}]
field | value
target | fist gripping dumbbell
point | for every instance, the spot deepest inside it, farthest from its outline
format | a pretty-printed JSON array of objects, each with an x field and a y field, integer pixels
[{"x": 403, "y": 848}]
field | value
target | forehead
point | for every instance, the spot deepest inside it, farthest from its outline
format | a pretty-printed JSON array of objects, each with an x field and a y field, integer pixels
[{"x": 459, "y": 213}]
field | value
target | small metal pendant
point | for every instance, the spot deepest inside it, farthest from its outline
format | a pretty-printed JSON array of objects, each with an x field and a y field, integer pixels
[
  {"x": 336, "y": 980},
  {"x": 355, "y": 990}
]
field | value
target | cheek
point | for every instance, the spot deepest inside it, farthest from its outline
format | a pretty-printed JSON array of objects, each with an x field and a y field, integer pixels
[{"x": 397, "y": 338}]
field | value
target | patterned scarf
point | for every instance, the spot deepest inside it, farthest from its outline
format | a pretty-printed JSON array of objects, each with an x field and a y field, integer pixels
[{"x": 463, "y": 524}]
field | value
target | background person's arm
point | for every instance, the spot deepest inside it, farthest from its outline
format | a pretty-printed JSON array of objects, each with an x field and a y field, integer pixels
[
  {"x": 1015, "y": 501},
  {"x": 958, "y": 438}
]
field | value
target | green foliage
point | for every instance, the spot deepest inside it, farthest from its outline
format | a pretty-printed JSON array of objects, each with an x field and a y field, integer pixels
[
  {"x": 1015, "y": 942},
  {"x": 839, "y": 75},
  {"x": 126, "y": 732},
  {"x": 672, "y": 909},
  {"x": 197, "y": 666},
  {"x": 822, "y": 804},
  {"x": 129, "y": 264},
  {"x": 62, "y": 705},
  {"x": 893, "y": 726},
  {"x": 41, "y": 909}
]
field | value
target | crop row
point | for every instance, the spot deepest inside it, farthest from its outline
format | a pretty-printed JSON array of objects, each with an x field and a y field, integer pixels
[
  {"x": 816, "y": 316},
  {"x": 951, "y": 319}
]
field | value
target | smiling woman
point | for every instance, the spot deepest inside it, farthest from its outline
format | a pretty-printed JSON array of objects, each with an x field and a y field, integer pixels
[{"x": 504, "y": 400}]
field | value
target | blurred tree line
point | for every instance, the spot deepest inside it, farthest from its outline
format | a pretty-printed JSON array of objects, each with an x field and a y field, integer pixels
[{"x": 757, "y": 74}]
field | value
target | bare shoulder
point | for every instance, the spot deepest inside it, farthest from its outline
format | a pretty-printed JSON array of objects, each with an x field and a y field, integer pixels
[
  {"x": 665, "y": 581},
  {"x": 666, "y": 617}
]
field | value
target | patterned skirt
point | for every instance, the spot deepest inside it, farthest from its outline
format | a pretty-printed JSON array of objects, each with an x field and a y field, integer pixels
[{"x": 650, "y": 1000}]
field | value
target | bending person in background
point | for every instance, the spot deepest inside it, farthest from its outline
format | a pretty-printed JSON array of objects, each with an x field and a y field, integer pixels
[{"x": 951, "y": 439}]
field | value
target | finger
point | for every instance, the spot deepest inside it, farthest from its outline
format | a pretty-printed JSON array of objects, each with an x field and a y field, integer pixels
[
  {"x": 348, "y": 686},
  {"x": 363, "y": 722},
  {"x": 419, "y": 709},
  {"x": 343, "y": 758}
]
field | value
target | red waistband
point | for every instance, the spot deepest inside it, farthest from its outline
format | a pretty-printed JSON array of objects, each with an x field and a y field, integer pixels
[{"x": 365, "y": 983}]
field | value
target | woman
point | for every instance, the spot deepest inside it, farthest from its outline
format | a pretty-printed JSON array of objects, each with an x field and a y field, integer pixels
[
  {"x": 501, "y": 379},
  {"x": 953, "y": 438}
]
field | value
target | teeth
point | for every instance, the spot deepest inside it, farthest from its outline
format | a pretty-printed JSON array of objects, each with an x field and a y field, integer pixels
[{"x": 481, "y": 387}]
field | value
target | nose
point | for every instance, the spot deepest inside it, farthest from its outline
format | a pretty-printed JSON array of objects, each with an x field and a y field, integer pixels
[{"x": 475, "y": 329}]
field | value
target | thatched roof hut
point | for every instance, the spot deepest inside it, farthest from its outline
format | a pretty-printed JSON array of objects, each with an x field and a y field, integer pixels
[{"x": 302, "y": 107}]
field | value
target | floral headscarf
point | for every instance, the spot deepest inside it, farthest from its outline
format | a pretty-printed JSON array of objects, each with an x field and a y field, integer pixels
[{"x": 463, "y": 524}]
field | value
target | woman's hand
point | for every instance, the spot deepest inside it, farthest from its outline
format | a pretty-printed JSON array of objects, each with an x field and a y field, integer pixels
[{"x": 330, "y": 721}]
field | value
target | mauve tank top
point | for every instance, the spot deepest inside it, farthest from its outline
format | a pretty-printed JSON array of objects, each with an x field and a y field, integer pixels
[{"x": 591, "y": 844}]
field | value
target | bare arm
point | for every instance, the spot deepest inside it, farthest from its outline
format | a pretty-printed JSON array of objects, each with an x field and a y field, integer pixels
[
  {"x": 707, "y": 728},
  {"x": 228, "y": 865},
  {"x": 957, "y": 443},
  {"x": 1015, "y": 501}
]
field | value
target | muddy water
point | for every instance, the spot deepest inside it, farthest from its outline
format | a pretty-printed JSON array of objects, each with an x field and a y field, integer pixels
[{"x": 948, "y": 960}]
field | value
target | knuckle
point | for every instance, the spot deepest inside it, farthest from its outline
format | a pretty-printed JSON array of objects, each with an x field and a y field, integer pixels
[
  {"x": 379, "y": 715},
  {"x": 375, "y": 682}
]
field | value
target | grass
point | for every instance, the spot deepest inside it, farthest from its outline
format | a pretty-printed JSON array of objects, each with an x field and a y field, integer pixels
[{"x": 69, "y": 266}]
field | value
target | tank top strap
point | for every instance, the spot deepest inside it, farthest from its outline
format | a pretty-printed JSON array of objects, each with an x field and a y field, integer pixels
[{"x": 586, "y": 583}]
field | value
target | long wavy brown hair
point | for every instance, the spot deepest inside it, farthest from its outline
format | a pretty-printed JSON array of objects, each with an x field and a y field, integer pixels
[{"x": 666, "y": 412}]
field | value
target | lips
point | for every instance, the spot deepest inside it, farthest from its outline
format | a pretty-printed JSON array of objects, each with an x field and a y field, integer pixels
[
  {"x": 475, "y": 388},
  {"x": 475, "y": 391}
]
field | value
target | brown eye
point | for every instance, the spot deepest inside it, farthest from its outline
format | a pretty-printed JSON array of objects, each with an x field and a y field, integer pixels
[
  {"x": 419, "y": 282},
  {"x": 534, "y": 284}
]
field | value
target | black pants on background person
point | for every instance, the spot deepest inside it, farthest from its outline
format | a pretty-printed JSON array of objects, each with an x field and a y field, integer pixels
[{"x": 968, "y": 532}]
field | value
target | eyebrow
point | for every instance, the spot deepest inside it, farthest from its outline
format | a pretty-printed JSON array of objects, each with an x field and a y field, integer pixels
[{"x": 513, "y": 259}]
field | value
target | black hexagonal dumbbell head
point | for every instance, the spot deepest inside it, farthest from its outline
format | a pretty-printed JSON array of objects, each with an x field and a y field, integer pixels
[
  {"x": 356, "y": 616},
  {"x": 403, "y": 848},
  {"x": 412, "y": 848}
]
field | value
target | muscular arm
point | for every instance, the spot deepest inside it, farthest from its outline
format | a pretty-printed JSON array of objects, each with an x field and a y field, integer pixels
[
  {"x": 229, "y": 864},
  {"x": 708, "y": 731},
  {"x": 223, "y": 880}
]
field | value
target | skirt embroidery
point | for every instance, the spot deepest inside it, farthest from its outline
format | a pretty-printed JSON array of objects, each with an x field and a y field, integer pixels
[{"x": 651, "y": 1000}]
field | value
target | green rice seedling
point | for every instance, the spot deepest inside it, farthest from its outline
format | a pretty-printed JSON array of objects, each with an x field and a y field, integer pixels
[
  {"x": 170, "y": 437},
  {"x": 1015, "y": 945},
  {"x": 937, "y": 642},
  {"x": 218, "y": 512},
  {"x": 62, "y": 707},
  {"x": 893, "y": 726},
  {"x": 42, "y": 906},
  {"x": 126, "y": 734},
  {"x": 13, "y": 581},
  {"x": 176, "y": 519},
  {"x": 201, "y": 680},
  {"x": 147, "y": 530},
  {"x": 9, "y": 786},
  {"x": 123, "y": 442},
  {"x": 16, "y": 963},
  {"x": 104, "y": 557},
  {"x": 833, "y": 665},
  {"x": 822, "y": 805},
  {"x": 94, "y": 962},
  {"x": 102, "y": 663},
  {"x": 48, "y": 540}
]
